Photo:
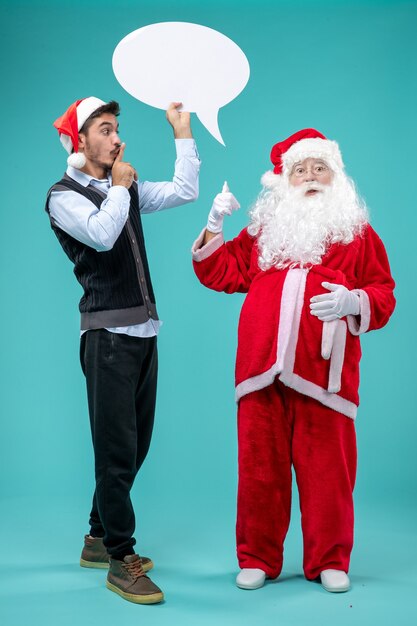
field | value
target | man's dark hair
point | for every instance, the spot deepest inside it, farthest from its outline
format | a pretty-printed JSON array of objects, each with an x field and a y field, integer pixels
[{"x": 111, "y": 107}]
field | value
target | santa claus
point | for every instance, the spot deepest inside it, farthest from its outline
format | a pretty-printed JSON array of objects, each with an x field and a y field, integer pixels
[{"x": 317, "y": 277}]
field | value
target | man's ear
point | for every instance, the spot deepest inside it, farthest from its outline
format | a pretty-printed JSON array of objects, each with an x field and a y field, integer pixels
[{"x": 81, "y": 140}]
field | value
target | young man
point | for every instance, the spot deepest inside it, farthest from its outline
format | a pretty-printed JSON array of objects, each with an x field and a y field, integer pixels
[
  {"x": 317, "y": 277},
  {"x": 95, "y": 211}
]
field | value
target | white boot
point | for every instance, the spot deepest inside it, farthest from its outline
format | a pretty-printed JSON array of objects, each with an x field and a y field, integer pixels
[
  {"x": 335, "y": 580},
  {"x": 250, "y": 578}
]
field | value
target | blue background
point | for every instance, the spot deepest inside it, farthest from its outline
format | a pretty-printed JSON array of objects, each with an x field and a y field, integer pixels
[{"x": 344, "y": 67}]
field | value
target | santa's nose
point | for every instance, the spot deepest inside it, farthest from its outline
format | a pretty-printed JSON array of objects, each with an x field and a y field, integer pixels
[{"x": 310, "y": 175}]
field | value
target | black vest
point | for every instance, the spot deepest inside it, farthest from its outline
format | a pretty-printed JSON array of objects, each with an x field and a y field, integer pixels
[{"x": 117, "y": 283}]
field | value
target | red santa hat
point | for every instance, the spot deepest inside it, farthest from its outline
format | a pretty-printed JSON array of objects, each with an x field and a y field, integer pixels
[
  {"x": 70, "y": 123},
  {"x": 301, "y": 145}
]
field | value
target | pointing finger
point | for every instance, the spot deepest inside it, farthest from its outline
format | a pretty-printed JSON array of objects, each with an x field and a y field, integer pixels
[
  {"x": 121, "y": 152},
  {"x": 225, "y": 187}
]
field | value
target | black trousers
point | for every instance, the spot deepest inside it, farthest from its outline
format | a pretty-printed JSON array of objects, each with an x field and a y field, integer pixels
[{"x": 121, "y": 376}]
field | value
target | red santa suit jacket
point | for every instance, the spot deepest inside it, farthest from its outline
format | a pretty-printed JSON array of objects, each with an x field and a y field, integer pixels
[{"x": 277, "y": 334}]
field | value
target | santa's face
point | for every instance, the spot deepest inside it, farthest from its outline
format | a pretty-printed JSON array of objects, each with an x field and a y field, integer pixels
[
  {"x": 101, "y": 143},
  {"x": 311, "y": 171},
  {"x": 297, "y": 218}
]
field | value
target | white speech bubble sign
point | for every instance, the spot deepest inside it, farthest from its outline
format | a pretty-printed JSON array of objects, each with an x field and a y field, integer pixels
[{"x": 182, "y": 62}]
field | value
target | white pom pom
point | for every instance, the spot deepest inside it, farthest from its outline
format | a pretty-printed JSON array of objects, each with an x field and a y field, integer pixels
[
  {"x": 271, "y": 180},
  {"x": 77, "y": 160}
]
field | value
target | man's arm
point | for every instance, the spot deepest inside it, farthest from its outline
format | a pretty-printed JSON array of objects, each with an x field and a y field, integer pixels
[
  {"x": 180, "y": 121},
  {"x": 184, "y": 185},
  {"x": 80, "y": 218}
]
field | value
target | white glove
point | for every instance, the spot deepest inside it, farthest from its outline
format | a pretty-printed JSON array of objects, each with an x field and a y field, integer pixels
[
  {"x": 336, "y": 304},
  {"x": 224, "y": 203}
]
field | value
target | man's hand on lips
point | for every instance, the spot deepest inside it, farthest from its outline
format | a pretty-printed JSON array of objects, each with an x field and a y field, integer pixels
[{"x": 123, "y": 173}]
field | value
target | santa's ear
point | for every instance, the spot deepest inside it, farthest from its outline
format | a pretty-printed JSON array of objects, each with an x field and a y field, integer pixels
[{"x": 271, "y": 180}]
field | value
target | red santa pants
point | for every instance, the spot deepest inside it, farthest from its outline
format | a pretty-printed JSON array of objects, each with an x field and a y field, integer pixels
[{"x": 277, "y": 428}]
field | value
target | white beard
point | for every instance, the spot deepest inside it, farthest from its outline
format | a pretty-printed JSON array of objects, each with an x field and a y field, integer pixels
[{"x": 297, "y": 230}]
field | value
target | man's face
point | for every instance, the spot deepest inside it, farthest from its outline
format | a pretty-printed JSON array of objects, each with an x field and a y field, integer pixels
[
  {"x": 311, "y": 171},
  {"x": 101, "y": 143}
]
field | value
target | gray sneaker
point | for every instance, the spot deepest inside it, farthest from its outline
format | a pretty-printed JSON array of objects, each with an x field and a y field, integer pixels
[
  {"x": 128, "y": 579},
  {"x": 95, "y": 555}
]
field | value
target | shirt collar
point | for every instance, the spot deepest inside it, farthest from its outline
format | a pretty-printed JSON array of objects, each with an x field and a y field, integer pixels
[{"x": 84, "y": 179}]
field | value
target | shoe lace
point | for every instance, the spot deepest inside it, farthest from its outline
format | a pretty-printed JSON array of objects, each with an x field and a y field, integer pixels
[{"x": 135, "y": 569}]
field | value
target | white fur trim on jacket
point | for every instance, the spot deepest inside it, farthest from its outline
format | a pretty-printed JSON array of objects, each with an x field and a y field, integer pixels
[
  {"x": 333, "y": 345},
  {"x": 365, "y": 315},
  {"x": 201, "y": 253}
]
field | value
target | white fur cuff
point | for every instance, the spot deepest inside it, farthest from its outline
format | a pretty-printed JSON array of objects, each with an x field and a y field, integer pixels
[{"x": 200, "y": 253}]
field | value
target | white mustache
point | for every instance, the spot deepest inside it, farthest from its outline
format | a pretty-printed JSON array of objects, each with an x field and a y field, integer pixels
[
  {"x": 314, "y": 185},
  {"x": 299, "y": 192}
]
